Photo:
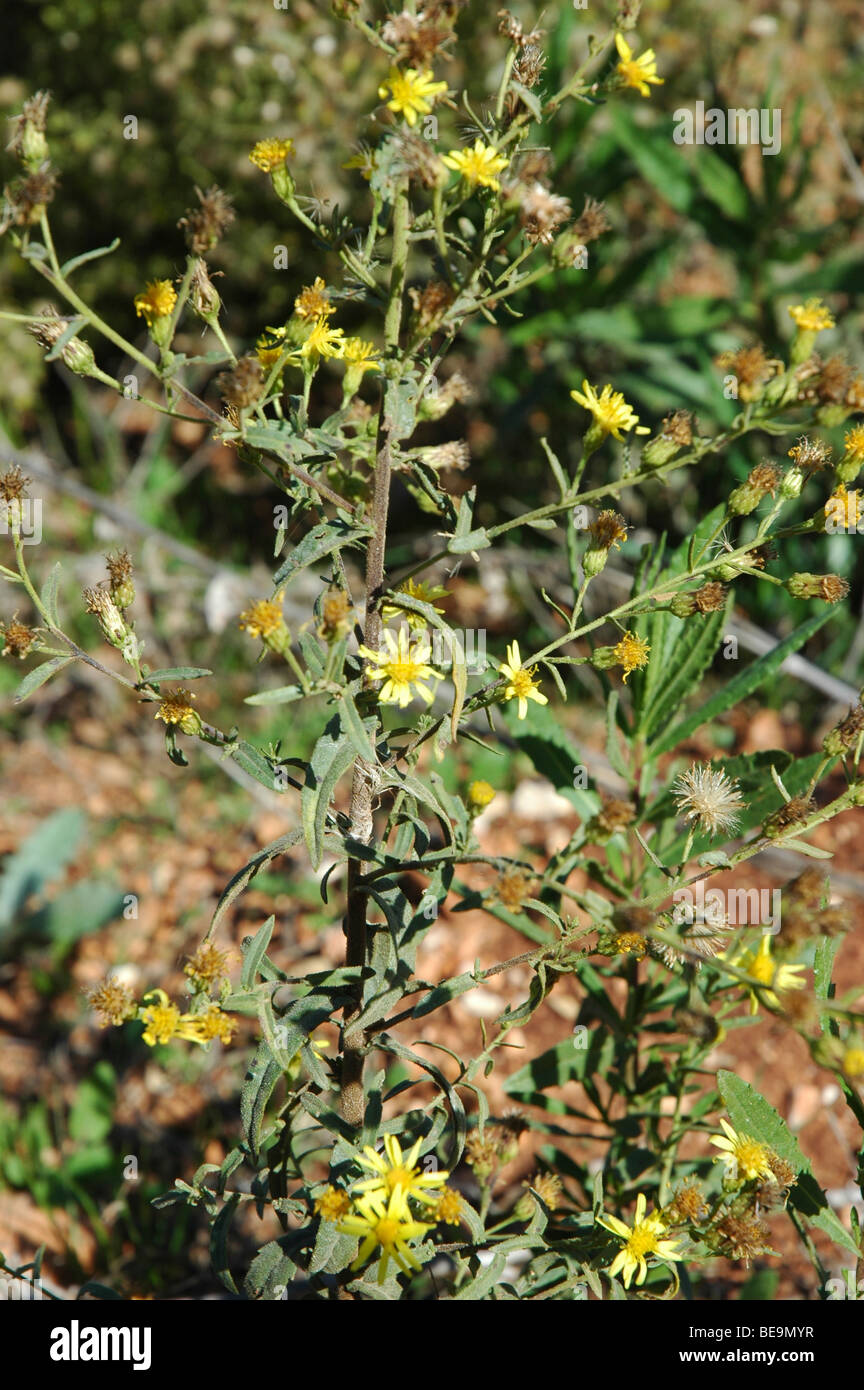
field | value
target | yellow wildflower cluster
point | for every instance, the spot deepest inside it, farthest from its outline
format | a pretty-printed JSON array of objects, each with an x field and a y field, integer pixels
[
  {"x": 396, "y": 1204},
  {"x": 114, "y": 1004}
]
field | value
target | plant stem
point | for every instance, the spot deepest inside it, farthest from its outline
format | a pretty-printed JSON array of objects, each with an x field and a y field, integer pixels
[{"x": 365, "y": 776}]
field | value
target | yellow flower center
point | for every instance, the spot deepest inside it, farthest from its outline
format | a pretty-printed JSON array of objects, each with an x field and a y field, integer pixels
[
  {"x": 762, "y": 969},
  {"x": 643, "y": 1240},
  {"x": 523, "y": 682},
  {"x": 387, "y": 1231},
  {"x": 400, "y": 1177},
  {"x": 403, "y": 672},
  {"x": 752, "y": 1158},
  {"x": 853, "y": 1061}
]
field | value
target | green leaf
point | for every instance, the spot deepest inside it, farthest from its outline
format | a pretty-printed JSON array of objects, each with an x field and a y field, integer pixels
[
  {"x": 48, "y": 595},
  {"x": 322, "y": 540},
  {"x": 176, "y": 673},
  {"x": 742, "y": 685},
  {"x": 39, "y": 675},
  {"x": 279, "y": 695},
  {"x": 85, "y": 256},
  {"x": 360, "y": 732},
  {"x": 253, "y": 954},
  {"x": 258, "y": 1086},
  {"x": 244, "y": 876},
  {"x": 656, "y": 156},
  {"x": 86, "y": 906},
  {"x": 219, "y": 1242},
  {"x": 40, "y": 860},
  {"x": 722, "y": 184},
  {"x": 332, "y": 756}
]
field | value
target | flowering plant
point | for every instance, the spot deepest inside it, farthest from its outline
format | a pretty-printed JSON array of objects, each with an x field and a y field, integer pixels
[{"x": 376, "y": 1200}]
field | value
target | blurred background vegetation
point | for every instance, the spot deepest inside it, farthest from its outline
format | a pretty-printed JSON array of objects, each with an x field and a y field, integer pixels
[{"x": 706, "y": 248}]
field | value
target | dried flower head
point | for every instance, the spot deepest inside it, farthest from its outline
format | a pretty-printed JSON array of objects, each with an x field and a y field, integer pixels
[
  {"x": 542, "y": 213},
  {"x": 529, "y": 64},
  {"x": 751, "y": 369},
  {"x": 613, "y": 815},
  {"x": 454, "y": 454},
  {"x": 335, "y": 615},
  {"x": 833, "y": 380},
  {"x": 417, "y": 37},
  {"x": 28, "y": 133},
  {"x": 13, "y": 484},
  {"x": 207, "y": 224},
  {"x": 829, "y": 587},
  {"x": 243, "y": 386},
  {"x": 810, "y": 454},
  {"x": 113, "y": 1002},
  {"x": 27, "y": 198},
  {"x": 207, "y": 967},
  {"x": 707, "y": 796},
  {"x": 431, "y": 303},
  {"x": 18, "y": 638},
  {"x": 592, "y": 221},
  {"x": 743, "y": 1237},
  {"x": 687, "y": 1206},
  {"x": 512, "y": 888},
  {"x": 417, "y": 158}
]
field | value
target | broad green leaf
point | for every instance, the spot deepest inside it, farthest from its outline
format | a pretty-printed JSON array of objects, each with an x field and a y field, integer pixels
[
  {"x": 40, "y": 860},
  {"x": 279, "y": 695}
]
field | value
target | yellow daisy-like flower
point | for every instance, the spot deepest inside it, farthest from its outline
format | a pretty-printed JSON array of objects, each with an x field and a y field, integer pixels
[
  {"x": 812, "y": 317},
  {"x": 264, "y": 618},
  {"x": 637, "y": 72},
  {"x": 271, "y": 154},
  {"x": 610, "y": 410},
  {"x": 313, "y": 302},
  {"x": 402, "y": 668},
  {"x": 643, "y": 1238},
  {"x": 270, "y": 345},
  {"x": 762, "y": 966},
  {"x": 745, "y": 1158},
  {"x": 852, "y": 1061},
  {"x": 333, "y": 1204},
  {"x": 631, "y": 653},
  {"x": 478, "y": 165},
  {"x": 212, "y": 1023},
  {"x": 522, "y": 684},
  {"x": 162, "y": 1019},
  {"x": 324, "y": 341},
  {"x": 412, "y": 92},
  {"x": 385, "y": 1224},
  {"x": 361, "y": 355},
  {"x": 393, "y": 1169},
  {"x": 156, "y": 301}
]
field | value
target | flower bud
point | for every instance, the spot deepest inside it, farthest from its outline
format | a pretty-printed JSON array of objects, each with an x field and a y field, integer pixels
[
  {"x": 845, "y": 735},
  {"x": 480, "y": 794},
  {"x": 829, "y": 587},
  {"x": 108, "y": 616}
]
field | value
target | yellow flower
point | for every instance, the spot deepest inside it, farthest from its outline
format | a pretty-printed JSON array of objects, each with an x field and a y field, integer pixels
[
  {"x": 811, "y": 317},
  {"x": 394, "y": 1170},
  {"x": 313, "y": 302},
  {"x": 386, "y": 1225},
  {"x": 333, "y": 1204},
  {"x": 156, "y": 302},
  {"x": 412, "y": 92},
  {"x": 745, "y": 1158},
  {"x": 853, "y": 444},
  {"x": 364, "y": 160},
  {"x": 324, "y": 341},
  {"x": 271, "y": 154},
  {"x": 631, "y": 653},
  {"x": 480, "y": 794},
  {"x": 637, "y": 72},
  {"x": 478, "y": 165},
  {"x": 425, "y": 593},
  {"x": 270, "y": 345},
  {"x": 610, "y": 410},
  {"x": 162, "y": 1019},
  {"x": 361, "y": 355},
  {"x": 522, "y": 684},
  {"x": 644, "y": 1238},
  {"x": 175, "y": 709},
  {"x": 853, "y": 1061},
  {"x": 762, "y": 967},
  {"x": 401, "y": 667},
  {"x": 212, "y": 1023},
  {"x": 264, "y": 618},
  {"x": 449, "y": 1207}
]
